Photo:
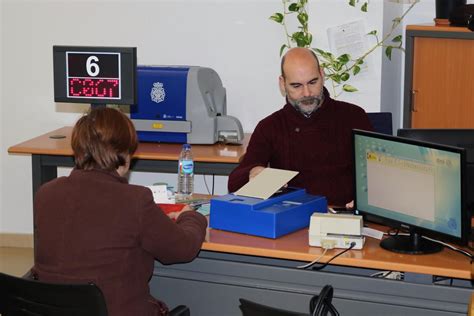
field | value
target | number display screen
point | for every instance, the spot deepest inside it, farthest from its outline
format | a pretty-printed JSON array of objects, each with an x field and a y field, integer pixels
[
  {"x": 93, "y": 75},
  {"x": 96, "y": 75}
]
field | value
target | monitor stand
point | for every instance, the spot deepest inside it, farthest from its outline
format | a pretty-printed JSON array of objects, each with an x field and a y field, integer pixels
[{"x": 413, "y": 244}]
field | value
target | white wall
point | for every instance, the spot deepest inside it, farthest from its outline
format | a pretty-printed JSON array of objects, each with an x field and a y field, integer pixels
[{"x": 234, "y": 37}]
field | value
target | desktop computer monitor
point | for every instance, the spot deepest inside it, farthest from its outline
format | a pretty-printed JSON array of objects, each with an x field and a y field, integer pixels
[
  {"x": 413, "y": 185},
  {"x": 463, "y": 138}
]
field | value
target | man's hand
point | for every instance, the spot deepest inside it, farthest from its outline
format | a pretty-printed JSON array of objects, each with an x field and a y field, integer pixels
[
  {"x": 174, "y": 215},
  {"x": 350, "y": 205},
  {"x": 255, "y": 171}
]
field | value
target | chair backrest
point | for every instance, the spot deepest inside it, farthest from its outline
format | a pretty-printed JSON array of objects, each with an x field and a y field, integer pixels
[
  {"x": 250, "y": 308},
  {"x": 319, "y": 305},
  {"x": 27, "y": 297},
  {"x": 381, "y": 122}
]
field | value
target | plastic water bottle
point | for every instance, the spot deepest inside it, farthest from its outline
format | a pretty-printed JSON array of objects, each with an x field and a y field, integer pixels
[{"x": 185, "y": 173}]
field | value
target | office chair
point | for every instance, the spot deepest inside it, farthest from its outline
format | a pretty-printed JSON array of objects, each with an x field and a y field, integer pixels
[
  {"x": 28, "y": 297},
  {"x": 381, "y": 122},
  {"x": 320, "y": 305},
  {"x": 250, "y": 308}
]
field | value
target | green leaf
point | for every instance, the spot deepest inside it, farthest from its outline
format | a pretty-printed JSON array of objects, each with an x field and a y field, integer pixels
[
  {"x": 388, "y": 52},
  {"x": 303, "y": 18},
  {"x": 336, "y": 78},
  {"x": 337, "y": 66},
  {"x": 352, "y": 3},
  {"x": 293, "y": 7},
  {"x": 397, "y": 39},
  {"x": 349, "y": 88},
  {"x": 355, "y": 70},
  {"x": 309, "y": 39},
  {"x": 300, "y": 39},
  {"x": 363, "y": 8},
  {"x": 345, "y": 76},
  {"x": 282, "y": 48},
  {"x": 277, "y": 17},
  {"x": 344, "y": 58},
  {"x": 374, "y": 32}
]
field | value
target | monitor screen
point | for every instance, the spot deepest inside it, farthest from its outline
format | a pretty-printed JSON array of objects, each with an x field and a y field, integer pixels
[
  {"x": 413, "y": 185},
  {"x": 96, "y": 75},
  {"x": 463, "y": 138}
]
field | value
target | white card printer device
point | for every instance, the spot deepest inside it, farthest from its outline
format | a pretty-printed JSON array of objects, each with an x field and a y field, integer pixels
[{"x": 336, "y": 230}]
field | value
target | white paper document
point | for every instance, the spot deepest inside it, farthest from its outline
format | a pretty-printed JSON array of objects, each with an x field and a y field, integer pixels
[{"x": 266, "y": 183}]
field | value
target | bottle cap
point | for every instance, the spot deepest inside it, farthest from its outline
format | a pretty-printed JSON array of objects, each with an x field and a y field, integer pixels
[{"x": 186, "y": 146}]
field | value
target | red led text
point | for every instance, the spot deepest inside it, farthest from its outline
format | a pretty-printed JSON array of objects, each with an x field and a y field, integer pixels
[{"x": 94, "y": 88}]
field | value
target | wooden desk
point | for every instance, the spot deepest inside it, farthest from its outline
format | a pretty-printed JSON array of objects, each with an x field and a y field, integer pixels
[
  {"x": 232, "y": 266},
  {"x": 49, "y": 153}
]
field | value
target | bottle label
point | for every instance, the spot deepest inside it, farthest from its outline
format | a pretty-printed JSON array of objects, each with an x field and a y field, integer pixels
[{"x": 186, "y": 167}]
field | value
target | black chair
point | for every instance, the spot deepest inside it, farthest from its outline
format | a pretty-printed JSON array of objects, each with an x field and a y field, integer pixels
[
  {"x": 28, "y": 297},
  {"x": 320, "y": 305},
  {"x": 381, "y": 122}
]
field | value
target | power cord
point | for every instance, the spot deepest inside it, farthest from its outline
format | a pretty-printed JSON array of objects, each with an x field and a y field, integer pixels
[
  {"x": 326, "y": 245},
  {"x": 210, "y": 192},
  {"x": 395, "y": 232},
  {"x": 314, "y": 261},
  {"x": 352, "y": 245}
]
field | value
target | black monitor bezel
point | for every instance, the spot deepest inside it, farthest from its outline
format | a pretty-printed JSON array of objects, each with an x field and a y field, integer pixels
[
  {"x": 128, "y": 62},
  {"x": 369, "y": 216}
]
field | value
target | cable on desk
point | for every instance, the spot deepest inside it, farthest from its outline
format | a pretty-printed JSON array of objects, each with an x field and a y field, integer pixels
[
  {"x": 314, "y": 261},
  {"x": 325, "y": 264},
  {"x": 210, "y": 192},
  {"x": 461, "y": 251},
  {"x": 207, "y": 188},
  {"x": 213, "y": 179},
  {"x": 464, "y": 252},
  {"x": 344, "y": 251}
]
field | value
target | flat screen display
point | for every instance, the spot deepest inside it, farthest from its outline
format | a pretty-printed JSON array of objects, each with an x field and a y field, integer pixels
[
  {"x": 96, "y": 75},
  {"x": 411, "y": 184}
]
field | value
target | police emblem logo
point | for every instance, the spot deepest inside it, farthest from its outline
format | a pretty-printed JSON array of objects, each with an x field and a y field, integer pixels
[{"x": 157, "y": 92}]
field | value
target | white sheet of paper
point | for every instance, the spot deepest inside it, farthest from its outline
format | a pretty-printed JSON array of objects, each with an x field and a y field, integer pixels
[
  {"x": 350, "y": 38},
  {"x": 160, "y": 194},
  {"x": 266, "y": 183}
]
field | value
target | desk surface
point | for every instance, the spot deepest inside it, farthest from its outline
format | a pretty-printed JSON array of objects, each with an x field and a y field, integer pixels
[
  {"x": 295, "y": 247},
  {"x": 220, "y": 153}
]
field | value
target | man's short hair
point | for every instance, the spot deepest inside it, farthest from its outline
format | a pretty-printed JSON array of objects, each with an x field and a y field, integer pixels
[
  {"x": 103, "y": 139},
  {"x": 284, "y": 57}
]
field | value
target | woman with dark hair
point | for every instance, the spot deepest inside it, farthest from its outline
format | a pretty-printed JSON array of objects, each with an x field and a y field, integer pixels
[{"x": 92, "y": 226}]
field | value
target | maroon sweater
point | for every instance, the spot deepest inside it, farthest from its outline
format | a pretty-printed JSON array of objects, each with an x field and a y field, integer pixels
[
  {"x": 319, "y": 147},
  {"x": 93, "y": 226}
]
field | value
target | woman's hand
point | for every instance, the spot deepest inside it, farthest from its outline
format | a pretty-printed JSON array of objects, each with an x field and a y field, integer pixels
[{"x": 175, "y": 215}]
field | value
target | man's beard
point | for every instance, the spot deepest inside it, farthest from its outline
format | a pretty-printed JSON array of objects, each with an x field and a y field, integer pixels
[{"x": 308, "y": 105}]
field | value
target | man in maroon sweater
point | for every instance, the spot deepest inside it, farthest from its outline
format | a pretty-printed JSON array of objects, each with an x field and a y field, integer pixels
[{"x": 310, "y": 134}]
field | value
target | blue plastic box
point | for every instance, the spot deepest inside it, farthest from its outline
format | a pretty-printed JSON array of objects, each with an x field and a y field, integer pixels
[{"x": 272, "y": 218}]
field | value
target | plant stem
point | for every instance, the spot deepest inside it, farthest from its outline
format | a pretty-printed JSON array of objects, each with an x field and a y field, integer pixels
[
  {"x": 395, "y": 24},
  {"x": 285, "y": 14}
]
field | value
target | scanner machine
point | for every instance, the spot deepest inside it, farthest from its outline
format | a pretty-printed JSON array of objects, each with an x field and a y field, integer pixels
[
  {"x": 183, "y": 104},
  {"x": 281, "y": 214}
]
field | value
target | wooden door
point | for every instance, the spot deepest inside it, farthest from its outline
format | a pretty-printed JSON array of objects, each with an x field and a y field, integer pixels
[{"x": 443, "y": 83}]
